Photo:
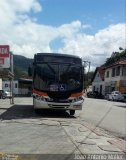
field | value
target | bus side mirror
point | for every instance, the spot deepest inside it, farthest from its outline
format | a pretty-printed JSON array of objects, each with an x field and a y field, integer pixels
[{"x": 30, "y": 71}]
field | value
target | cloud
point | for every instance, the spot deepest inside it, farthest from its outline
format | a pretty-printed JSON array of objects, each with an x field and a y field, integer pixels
[
  {"x": 25, "y": 36},
  {"x": 14, "y": 11},
  {"x": 23, "y": 6},
  {"x": 96, "y": 48},
  {"x": 85, "y": 26}
]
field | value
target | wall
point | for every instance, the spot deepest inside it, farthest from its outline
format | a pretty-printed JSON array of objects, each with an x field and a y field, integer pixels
[
  {"x": 23, "y": 91},
  {"x": 6, "y": 86},
  {"x": 97, "y": 83},
  {"x": 115, "y": 78},
  {"x": 97, "y": 87},
  {"x": 0, "y": 84},
  {"x": 114, "y": 83}
]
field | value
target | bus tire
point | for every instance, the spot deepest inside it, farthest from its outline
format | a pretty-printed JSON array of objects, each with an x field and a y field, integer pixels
[
  {"x": 72, "y": 112},
  {"x": 3, "y": 97},
  {"x": 37, "y": 111}
]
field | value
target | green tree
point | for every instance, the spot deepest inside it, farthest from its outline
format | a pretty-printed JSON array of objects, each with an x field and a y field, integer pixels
[{"x": 116, "y": 56}]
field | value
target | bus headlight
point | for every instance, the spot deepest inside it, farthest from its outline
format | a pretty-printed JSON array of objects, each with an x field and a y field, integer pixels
[
  {"x": 78, "y": 99},
  {"x": 39, "y": 98},
  {"x": 42, "y": 99}
]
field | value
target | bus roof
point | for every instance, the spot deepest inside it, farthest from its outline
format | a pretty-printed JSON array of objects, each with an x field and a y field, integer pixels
[{"x": 58, "y": 55}]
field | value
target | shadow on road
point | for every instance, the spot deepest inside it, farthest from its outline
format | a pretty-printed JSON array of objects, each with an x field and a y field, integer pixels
[
  {"x": 123, "y": 106},
  {"x": 27, "y": 111}
]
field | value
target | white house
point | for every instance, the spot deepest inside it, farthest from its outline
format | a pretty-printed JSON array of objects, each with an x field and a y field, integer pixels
[
  {"x": 6, "y": 86},
  {"x": 115, "y": 77},
  {"x": 98, "y": 83}
]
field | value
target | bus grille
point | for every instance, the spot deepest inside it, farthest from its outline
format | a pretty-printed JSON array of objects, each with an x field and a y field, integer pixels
[{"x": 58, "y": 106}]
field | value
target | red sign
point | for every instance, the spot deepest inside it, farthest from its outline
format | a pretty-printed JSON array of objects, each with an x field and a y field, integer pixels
[
  {"x": 1, "y": 61},
  {"x": 4, "y": 51}
]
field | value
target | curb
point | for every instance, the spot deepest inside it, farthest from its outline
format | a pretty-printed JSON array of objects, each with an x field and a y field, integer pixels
[{"x": 121, "y": 144}]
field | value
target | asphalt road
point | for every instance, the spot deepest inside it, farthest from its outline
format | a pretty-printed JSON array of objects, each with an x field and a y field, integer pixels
[{"x": 108, "y": 115}]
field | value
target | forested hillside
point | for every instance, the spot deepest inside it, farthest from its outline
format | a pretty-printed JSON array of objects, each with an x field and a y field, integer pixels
[{"x": 21, "y": 64}]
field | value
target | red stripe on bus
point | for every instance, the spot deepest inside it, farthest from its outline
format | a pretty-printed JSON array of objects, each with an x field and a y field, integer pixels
[
  {"x": 40, "y": 93},
  {"x": 79, "y": 94}
]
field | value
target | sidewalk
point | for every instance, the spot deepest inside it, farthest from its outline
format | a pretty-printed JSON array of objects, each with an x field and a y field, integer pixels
[{"x": 60, "y": 138}]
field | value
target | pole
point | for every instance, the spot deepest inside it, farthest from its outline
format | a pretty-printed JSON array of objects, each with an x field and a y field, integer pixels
[
  {"x": 12, "y": 78},
  {"x": 10, "y": 90},
  {"x": 88, "y": 71}
]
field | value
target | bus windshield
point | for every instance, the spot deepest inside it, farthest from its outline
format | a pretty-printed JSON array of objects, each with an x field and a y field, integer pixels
[{"x": 57, "y": 77}]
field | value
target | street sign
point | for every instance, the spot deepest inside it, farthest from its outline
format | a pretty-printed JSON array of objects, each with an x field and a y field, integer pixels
[
  {"x": 4, "y": 51},
  {"x": 4, "y": 56},
  {"x": 1, "y": 61}
]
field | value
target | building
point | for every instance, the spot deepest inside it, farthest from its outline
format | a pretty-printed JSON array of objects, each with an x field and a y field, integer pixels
[
  {"x": 25, "y": 87},
  {"x": 115, "y": 77},
  {"x": 98, "y": 80},
  {"x": 0, "y": 84},
  {"x": 21, "y": 87},
  {"x": 6, "y": 85}
]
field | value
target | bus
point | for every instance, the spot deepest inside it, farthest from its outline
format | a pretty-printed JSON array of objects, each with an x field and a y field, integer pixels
[{"x": 58, "y": 82}]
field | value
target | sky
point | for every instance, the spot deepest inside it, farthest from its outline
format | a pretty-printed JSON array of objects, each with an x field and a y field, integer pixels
[{"x": 91, "y": 29}]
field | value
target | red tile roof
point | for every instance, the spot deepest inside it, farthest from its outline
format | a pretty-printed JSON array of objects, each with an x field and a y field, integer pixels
[{"x": 121, "y": 62}]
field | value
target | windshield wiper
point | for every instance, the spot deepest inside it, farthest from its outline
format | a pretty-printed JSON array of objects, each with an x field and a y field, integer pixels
[{"x": 51, "y": 68}]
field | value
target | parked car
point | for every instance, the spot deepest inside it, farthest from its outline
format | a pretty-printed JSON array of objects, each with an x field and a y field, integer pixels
[
  {"x": 124, "y": 95},
  {"x": 95, "y": 94},
  {"x": 90, "y": 94},
  {"x": 116, "y": 96},
  {"x": 106, "y": 96},
  {"x": 8, "y": 94},
  {"x": 2, "y": 94}
]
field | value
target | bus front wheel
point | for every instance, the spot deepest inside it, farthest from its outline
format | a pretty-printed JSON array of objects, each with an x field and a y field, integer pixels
[
  {"x": 37, "y": 111},
  {"x": 72, "y": 112}
]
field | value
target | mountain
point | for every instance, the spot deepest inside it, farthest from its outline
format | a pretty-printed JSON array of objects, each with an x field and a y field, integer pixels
[{"x": 21, "y": 64}]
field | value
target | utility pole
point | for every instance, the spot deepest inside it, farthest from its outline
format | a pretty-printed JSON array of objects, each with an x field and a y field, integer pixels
[
  {"x": 89, "y": 63},
  {"x": 12, "y": 78}
]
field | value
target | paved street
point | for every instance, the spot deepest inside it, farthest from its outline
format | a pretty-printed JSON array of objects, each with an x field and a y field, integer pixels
[
  {"x": 22, "y": 131},
  {"x": 108, "y": 115}
]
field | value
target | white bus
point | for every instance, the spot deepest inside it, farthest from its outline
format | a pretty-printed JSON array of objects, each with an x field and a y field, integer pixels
[{"x": 57, "y": 82}]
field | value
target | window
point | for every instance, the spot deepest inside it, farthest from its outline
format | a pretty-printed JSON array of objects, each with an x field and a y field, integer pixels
[
  {"x": 107, "y": 74},
  {"x": 15, "y": 85},
  {"x": 113, "y": 72},
  {"x": 118, "y": 71},
  {"x": 124, "y": 71},
  {"x": 6, "y": 85}
]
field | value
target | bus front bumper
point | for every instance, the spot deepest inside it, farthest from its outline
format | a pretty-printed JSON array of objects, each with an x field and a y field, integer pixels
[{"x": 39, "y": 104}]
